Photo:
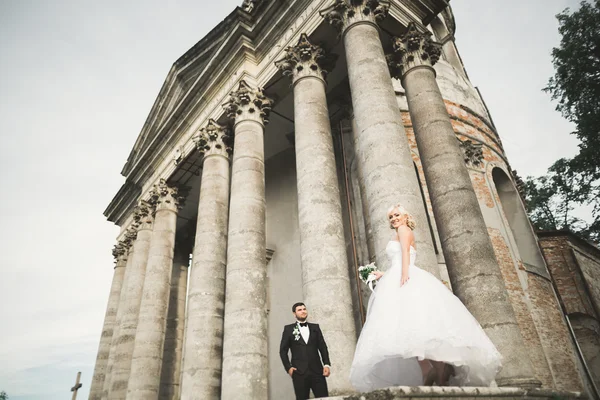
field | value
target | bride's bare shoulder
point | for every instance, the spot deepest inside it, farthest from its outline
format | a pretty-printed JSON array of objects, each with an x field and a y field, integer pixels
[{"x": 406, "y": 235}]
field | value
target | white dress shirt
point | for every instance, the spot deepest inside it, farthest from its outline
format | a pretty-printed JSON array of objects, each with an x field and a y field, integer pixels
[{"x": 304, "y": 331}]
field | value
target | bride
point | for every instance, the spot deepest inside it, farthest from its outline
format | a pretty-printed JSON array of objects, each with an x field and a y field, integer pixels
[{"x": 417, "y": 332}]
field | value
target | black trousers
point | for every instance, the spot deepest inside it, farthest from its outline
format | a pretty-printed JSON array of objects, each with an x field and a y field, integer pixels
[{"x": 303, "y": 383}]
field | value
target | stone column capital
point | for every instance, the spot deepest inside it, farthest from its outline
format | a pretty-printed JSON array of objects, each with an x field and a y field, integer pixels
[
  {"x": 142, "y": 215},
  {"x": 214, "y": 139},
  {"x": 130, "y": 236},
  {"x": 414, "y": 49},
  {"x": 306, "y": 60},
  {"x": 472, "y": 152},
  {"x": 119, "y": 252},
  {"x": 166, "y": 197},
  {"x": 248, "y": 104},
  {"x": 344, "y": 14}
]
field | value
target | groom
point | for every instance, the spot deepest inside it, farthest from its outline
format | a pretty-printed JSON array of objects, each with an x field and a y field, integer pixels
[{"x": 306, "y": 342}]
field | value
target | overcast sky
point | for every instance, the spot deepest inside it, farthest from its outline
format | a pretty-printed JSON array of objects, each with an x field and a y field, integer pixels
[{"x": 77, "y": 80}]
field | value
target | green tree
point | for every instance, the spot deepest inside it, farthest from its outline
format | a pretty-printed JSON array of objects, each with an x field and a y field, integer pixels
[
  {"x": 572, "y": 183},
  {"x": 3, "y": 395},
  {"x": 552, "y": 199},
  {"x": 576, "y": 81}
]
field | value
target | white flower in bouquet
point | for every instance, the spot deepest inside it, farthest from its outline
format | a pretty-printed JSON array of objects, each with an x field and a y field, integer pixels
[{"x": 366, "y": 274}]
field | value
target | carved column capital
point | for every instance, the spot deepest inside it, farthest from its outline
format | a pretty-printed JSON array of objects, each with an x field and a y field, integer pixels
[
  {"x": 306, "y": 59},
  {"x": 119, "y": 252},
  {"x": 472, "y": 152},
  {"x": 165, "y": 197},
  {"x": 414, "y": 49},
  {"x": 345, "y": 13},
  {"x": 142, "y": 215},
  {"x": 214, "y": 139},
  {"x": 130, "y": 236},
  {"x": 247, "y": 103}
]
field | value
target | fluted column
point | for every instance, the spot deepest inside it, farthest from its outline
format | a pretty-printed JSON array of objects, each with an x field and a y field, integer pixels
[
  {"x": 245, "y": 363},
  {"x": 326, "y": 290},
  {"x": 172, "y": 354},
  {"x": 146, "y": 362},
  {"x": 132, "y": 297},
  {"x": 206, "y": 298},
  {"x": 110, "y": 319},
  {"x": 472, "y": 265},
  {"x": 385, "y": 164}
]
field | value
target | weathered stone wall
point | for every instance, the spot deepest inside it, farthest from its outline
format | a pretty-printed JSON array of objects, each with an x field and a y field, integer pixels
[
  {"x": 522, "y": 310},
  {"x": 284, "y": 270},
  {"x": 353, "y": 217},
  {"x": 575, "y": 269}
]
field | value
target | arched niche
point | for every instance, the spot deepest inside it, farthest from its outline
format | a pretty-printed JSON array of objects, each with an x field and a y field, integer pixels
[{"x": 515, "y": 214}]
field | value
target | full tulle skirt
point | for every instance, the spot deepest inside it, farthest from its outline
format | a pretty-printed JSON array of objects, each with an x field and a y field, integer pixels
[{"x": 420, "y": 320}]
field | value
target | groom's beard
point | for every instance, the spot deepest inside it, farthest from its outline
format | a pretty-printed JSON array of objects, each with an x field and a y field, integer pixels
[{"x": 301, "y": 319}]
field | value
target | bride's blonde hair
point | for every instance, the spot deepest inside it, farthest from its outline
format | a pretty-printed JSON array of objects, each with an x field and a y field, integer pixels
[{"x": 410, "y": 221}]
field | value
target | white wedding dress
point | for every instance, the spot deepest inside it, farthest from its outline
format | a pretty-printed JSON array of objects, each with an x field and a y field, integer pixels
[{"x": 420, "y": 320}]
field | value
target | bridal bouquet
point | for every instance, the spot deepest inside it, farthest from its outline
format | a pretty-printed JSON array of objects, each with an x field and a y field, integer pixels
[{"x": 366, "y": 274}]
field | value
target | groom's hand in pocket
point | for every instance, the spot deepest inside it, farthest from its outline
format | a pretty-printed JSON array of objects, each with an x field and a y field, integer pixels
[
  {"x": 291, "y": 371},
  {"x": 326, "y": 372}
]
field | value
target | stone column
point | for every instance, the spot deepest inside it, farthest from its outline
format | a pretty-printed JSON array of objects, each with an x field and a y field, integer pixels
[
  {"x": 245, "y": 363},
  {"x": 472, "y": 265},
  {"x": 172, "y": 354},
  {"x": 146, "y": 362},
  {"x": 326, "y": 284},
  {"x": 128, "y": 316},
  {"x": 206, "y": 298},
  {"x": 385, "y": 164},
  {"x": 110, "y": 319},
  {"x": 130, "y": 236}
]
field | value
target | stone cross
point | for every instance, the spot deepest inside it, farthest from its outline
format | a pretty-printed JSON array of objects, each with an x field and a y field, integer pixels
[{"x": 77, "y": 386}]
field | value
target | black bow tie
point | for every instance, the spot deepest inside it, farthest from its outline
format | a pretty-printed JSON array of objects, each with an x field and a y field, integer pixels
[{"x": 303, "y": 323}]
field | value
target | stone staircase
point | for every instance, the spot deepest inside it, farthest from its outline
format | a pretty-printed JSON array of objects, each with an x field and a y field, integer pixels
[{"x": 460, "y": 393}]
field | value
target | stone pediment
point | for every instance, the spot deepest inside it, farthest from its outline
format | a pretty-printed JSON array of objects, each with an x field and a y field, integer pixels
[
  {"x": 183, "y": 75},
  {"x": 250, "y": 35},
  {"x": 195, "y": 64}
]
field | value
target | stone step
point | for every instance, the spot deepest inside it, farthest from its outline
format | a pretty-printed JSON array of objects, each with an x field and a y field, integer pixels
[{"x": 460, "y": 393}]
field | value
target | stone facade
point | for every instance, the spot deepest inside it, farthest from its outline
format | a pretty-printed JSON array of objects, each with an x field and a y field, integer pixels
[{"x": 288, "y": 143}]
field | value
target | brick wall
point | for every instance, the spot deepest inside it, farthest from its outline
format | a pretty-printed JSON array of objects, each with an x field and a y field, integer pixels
[
  {"x": 522, "y": 309},
  {"x": 574, "y": 266}
]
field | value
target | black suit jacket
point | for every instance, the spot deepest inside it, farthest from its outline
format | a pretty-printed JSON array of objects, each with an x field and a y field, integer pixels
[{"x": 305, "y": 356}]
